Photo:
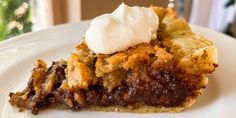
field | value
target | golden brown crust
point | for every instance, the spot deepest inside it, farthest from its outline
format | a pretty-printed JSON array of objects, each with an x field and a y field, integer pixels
[
  {"x": 195, "y": 54},
  {"x": 79, "y": 75},
  {"x": 126, "y": 59}
]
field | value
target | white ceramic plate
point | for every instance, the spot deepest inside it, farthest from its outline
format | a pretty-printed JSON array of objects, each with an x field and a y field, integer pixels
[{"x": 18, "y": 54}]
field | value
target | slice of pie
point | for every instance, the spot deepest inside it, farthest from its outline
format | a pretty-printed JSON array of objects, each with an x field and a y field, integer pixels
[{"x": 166, "y": 75}]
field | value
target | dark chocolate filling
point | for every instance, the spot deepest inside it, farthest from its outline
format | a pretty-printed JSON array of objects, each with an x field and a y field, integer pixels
[{"x": 164, "y": 89}]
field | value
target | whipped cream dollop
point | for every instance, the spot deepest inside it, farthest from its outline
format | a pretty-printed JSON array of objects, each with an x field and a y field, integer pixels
[{"x": 123, "y": 28}]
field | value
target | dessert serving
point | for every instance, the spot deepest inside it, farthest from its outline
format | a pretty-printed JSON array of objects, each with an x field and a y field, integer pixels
[{"x": 135, "y": 59}]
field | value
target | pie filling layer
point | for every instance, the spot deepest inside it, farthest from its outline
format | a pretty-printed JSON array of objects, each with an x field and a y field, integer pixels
[{"x": 150, "y": 82}]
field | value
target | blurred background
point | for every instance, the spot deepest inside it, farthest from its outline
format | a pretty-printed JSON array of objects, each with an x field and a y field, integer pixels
[{"x": 22, "y": 16}]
